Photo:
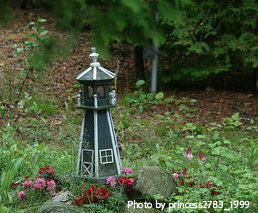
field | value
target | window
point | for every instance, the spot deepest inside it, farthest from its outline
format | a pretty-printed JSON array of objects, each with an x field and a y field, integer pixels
[
  {"x": 87, "y": 162},
  {"x": 90, "y": 92},
  {"x": 106, "y": 156},
  {"x": 101, "y": 91}
]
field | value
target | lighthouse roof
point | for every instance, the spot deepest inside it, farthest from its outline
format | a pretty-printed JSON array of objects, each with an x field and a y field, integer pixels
[{"x": 95, "y": 72}]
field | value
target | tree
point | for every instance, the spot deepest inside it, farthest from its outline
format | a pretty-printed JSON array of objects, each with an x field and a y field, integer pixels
[{"x": 121, "y": 21}]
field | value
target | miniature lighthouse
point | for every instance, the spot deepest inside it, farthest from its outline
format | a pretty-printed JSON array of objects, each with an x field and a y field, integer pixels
[{"x": 98, "y": 156}]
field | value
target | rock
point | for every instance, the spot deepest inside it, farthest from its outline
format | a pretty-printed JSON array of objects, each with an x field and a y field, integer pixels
[
  {"x": 64, "y": 197},
  {"x": 152, "y": 180},
  {"x": 60, "y": 208},
  {"x": 61, "y": 203}
]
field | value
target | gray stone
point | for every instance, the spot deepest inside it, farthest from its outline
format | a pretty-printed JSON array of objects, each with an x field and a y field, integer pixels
[
  {"x": 64, "y": 196},
  {"x": 153, "y": 180},
  {"x": 61, "y": 203},
  {"x": 60, "y": 208}
]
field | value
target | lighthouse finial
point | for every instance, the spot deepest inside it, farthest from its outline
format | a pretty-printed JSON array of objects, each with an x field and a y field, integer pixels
[{"x": 94, "y": 56}]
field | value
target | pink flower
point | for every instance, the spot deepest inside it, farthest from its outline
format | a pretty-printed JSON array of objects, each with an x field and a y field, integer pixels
[
  {"x": 51, "y": 185},
  {"x": 183, "y": 172},
  {"x": 40, "y": 184},
  {"x": 54, "y": 194},
  {"x": 126, "y": 171},
  {"x": 111, "y": 181},
  {"x": 202, "y": 158},
  {"x": 132, "y": 180},
  {"x": 27, "y": 184},
  {"x": 30, "y": 183},
  {"x": 22, "y": 195},
  {"x": 188, "y": 154},
  {"x": 175, "y": 175}
]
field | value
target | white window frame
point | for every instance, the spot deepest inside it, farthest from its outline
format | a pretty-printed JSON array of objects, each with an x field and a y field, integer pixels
[{"x": 106, "y": 156}]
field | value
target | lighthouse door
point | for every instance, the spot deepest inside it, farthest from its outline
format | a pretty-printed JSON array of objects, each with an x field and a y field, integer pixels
[{"x": 87, "y": 162}]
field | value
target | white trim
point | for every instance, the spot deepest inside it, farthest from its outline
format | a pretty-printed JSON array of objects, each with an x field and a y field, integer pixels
[
  {"x": 107, "y": 72},
  {"x": 94, "y": 73},
  {"x": 81, "y": 141},
  {"x": 96, "y": 146},
  {"x": 83, "y": 73},
  {"x": 114, "y": 136},
  {"x": 118, "y": 164},
  {"x": 95, "y": 64},
  {"x": 106, "y": 156},
  {"x": 87, "y": 166},
  {"x": 95, "y": 100},
  {"x": 87, "y": 150},
  {"x": 104, "y": 69}
]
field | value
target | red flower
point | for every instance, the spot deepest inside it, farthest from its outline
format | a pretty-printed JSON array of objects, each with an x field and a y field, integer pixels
[
  {"x": 209, "y": 184},
  {"x": 93, "y": 194},
  {"x": 126, "y": 183},
  {"x": 202, "y": 186},
  {"x": 47, "y": 173},
  {"x": 183, "y": 172},
  {"x": 98, "y": 193},
  {"x": 213, "y": 190},
  {"x": 188, "y": 181},
  {"x": 14, "y": 185},
  {"x": 201, "y": 156},
  {"x": 173, "y": 171}
]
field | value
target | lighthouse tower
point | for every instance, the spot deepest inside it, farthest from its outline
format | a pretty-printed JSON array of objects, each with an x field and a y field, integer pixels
[{"x": 98, "y": 156}]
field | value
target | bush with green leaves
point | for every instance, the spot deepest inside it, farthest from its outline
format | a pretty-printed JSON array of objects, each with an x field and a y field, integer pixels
[
  {"x": 140, "y": 99},
  {"x": 215, "y": 36}
]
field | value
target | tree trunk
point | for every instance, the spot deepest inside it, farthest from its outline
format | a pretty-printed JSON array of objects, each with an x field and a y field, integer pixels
[
  {"x": 138, "y": 63},
  {"x": 255, "y": 86},
  {"x": 255, "y": 80}
]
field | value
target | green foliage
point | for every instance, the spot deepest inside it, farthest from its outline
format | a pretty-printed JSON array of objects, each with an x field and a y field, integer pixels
[
  {"x": 38, "y": 106},
  {"x": 139, "y": 84},
  {"x": 159, "y": 95},
  {"x": 119, "y": 18},
  {"x": 7, "y": 178},
  {"x": 230, "y": 151},
  {"x": 229, "y": 165},
  {"x": 215, "y": 37},
  {"x": 30, "y": 157},
  {"x": 139, "y": 98},
  {"x": 5, "y": 11},
  {"x": 201, "y": 37},
  {"x": 232, "y": 122}
]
